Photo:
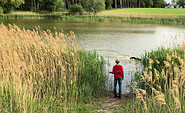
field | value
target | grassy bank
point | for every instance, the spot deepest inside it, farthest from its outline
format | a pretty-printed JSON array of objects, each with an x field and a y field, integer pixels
[
  {"x": 176, "y": 21},
  {"x": 45, "y": 72},
  {"x": 136, "y": 15},
  {"x": 146, "y": 12}
]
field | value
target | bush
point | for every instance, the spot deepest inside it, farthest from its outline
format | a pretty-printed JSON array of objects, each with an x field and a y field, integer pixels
[
  {"x": 1, "y": 10},
  {"x": 76, "y": 9}
]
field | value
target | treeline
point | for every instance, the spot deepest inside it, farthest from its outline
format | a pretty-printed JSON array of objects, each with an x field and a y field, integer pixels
[
  {"x": 90, "y": 5},
  {"x": 31, "y": 5},
  {"x": 35, "y": 5},
  {"x": 122, "y": 3}
]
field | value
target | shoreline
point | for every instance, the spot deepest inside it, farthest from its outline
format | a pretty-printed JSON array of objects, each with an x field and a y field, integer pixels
[{"x": 173, "y": 21}]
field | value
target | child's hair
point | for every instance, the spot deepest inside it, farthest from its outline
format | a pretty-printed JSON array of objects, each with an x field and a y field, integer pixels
[{"x": 117, "y": 61}]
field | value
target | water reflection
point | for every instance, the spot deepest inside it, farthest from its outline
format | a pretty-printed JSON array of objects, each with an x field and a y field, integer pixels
[{"x": 113, "y": 40}]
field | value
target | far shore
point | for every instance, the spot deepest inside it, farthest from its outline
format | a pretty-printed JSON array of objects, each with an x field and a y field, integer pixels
[{"x": 134, "y": 15}]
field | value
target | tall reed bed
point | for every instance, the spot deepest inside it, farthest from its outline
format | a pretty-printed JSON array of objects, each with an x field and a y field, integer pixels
[
  {"x": 101, "y": 18},
  {"x": 161, "y": 88},
  {"x": 44, "y": 71}
]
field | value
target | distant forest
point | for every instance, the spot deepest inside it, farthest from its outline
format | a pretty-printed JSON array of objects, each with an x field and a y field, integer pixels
[{"x": 58, "y": 5}]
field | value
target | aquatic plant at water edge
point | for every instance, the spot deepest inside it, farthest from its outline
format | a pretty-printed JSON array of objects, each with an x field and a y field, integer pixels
[
  {"x": 44, "y": 71},
  {"x": 161, "y": 87}
]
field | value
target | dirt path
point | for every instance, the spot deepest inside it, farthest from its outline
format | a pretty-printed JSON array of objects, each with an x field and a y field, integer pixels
[{"x": 109, "y": 103}]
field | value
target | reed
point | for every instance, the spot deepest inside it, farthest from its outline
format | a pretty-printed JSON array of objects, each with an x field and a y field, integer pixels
[
  {"x": 44, "y": 71},
  {"x": 89, "y": 18},
  {"x": 161, "y": 86}
]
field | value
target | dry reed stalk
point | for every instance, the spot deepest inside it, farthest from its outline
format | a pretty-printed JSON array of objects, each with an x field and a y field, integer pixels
[
  {"x": 172, "y": 78},
  {"x": 30, "y": 58},
  {"x": 140, "y": 95}
]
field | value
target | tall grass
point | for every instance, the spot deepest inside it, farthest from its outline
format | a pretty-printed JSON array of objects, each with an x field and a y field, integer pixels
[
  {"x": 41, "y": 71},
  {"x": 161, "y": 88},
  {"x": 101, "y": 18}
]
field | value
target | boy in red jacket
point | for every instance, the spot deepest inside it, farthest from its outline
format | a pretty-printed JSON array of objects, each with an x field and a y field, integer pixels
[{"x": 118, "y": 77}]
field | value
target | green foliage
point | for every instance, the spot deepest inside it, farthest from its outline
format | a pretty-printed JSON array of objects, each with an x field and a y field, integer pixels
[
  {"x": 1, "y": 10},
  {"x": 52, "y": 5},
  {"x": 176, "y": 21},
  {"x": 74, "y": 9},
  {"x": 108, "y": 4},
  {"x": 91, "y": 77},
  {"x": 181, "y": 3},
  {"x": 159, "y": 58},
  {"x": 9, "y": 5},
  {"x": 94, "y": 5},
  {"x": 164, "y": 68},
  {"x": 159, "y": 3},
  {"x": 149, "y": 3},
  {"x": 17, "y": 3},
  {"x": 152, "y": 3},
  {"x": 142, "y": 5}
]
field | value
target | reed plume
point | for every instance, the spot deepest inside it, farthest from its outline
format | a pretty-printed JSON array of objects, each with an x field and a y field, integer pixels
[{"x": 44, "y": 71}]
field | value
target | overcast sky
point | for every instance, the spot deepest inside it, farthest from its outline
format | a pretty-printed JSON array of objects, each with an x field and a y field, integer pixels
[{"x": 168, "y": 1}]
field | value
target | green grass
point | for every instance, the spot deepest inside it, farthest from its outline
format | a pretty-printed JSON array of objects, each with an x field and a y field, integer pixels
[
  {"x": 169, "y": 11},
  {"x": 133, "y": 15}
]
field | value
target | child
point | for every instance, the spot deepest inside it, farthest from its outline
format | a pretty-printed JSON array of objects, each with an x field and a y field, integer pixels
[{"x": 118, "y": 77}]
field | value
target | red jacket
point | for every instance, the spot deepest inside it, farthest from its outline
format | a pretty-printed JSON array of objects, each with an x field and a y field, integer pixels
[{"x": 118, "y": 71}]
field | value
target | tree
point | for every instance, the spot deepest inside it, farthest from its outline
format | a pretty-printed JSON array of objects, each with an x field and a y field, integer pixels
[
  {"x": 76, "y": 9},
  {"x": 52, "y": 5},
  {"x": 121, "y": 4},
  {"x": 159, "y": 3},
  {"x": 179, "y": 2},
  {"x": 108, "y": 4},
  {"x": 32, "y": 5},
  {"x": 148, "y": 3},
  {"x": 1, "y": 10},
  {"x": 93, "y": 5},
  {"x": 9, "y": 5},
  {"x": 115, "y": 3}
]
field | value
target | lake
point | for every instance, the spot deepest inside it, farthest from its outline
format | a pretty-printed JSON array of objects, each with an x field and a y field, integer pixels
[{"x": 113, "y": 40}]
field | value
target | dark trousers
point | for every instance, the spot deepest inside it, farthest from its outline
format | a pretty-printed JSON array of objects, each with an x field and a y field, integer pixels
[{"x": 119, "y": 81}]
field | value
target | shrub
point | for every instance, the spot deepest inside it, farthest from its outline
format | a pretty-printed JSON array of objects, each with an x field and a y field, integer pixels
[
  {"x": 76, "y": 9},
  {"x": 1, "y": 10}
]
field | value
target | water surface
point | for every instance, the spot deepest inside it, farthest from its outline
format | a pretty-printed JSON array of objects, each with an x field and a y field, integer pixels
[{"x": 113, "y": 40}]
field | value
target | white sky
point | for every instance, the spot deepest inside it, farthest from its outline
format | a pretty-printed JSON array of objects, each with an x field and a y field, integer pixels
[{"x": 168, "y": 1}]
